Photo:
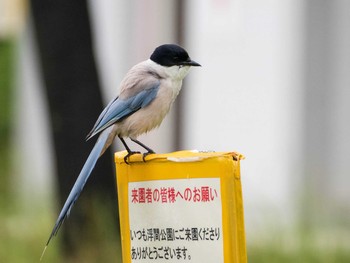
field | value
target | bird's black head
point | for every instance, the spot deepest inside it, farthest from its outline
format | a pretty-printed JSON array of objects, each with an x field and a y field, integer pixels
[{"x": 172, "y": 55}]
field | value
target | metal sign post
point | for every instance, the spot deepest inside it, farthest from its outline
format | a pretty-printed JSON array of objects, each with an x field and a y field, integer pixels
[{"x": 181, "y": 207}]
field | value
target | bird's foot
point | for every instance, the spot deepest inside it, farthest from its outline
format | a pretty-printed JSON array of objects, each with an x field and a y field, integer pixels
[
  {"x": 126, "y": 157},
  {"x": 146, "y": 154}
]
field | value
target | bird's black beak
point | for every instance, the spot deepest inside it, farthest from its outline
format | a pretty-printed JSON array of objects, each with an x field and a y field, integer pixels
[{"x": 191, "y": 63}]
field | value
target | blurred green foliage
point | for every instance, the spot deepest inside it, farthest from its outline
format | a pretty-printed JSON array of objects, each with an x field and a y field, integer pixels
[
  {"x": 272, "y": 254},
  {"x": 21, "y": 235},
  {"x": 6, "y": 88},
  {"x": 305, "y": 251}
]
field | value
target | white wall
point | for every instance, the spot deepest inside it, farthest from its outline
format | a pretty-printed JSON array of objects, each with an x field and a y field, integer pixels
[
  {"x": 33, "y": 157},
  {"x": 246, "y": 97}
]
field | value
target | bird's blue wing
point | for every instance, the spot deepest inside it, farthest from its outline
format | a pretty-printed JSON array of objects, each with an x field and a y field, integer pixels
[
  {"x": 103, "y": 113},
  {"x": 118, "y": 109}
]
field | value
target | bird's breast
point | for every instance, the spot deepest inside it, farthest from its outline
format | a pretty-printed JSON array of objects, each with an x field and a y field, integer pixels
[{"x": 151, "y": 116}]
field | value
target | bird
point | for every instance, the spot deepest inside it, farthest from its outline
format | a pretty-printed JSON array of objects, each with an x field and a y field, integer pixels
[{"x": 146, "y": 95}]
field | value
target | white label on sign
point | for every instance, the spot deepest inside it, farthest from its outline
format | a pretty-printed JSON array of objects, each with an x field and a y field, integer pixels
[{"x": 176, "y": 221}]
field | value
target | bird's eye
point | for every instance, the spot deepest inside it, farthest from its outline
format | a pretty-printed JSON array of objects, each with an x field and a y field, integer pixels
[{"x": 176, "y": 58}]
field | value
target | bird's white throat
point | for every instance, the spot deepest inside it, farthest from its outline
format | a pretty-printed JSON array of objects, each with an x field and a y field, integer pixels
[{"x": 173, "y": 72}]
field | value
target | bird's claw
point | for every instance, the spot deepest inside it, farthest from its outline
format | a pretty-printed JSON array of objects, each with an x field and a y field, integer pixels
[
  {"x": 146, "y": 154},
  {"x": 126, "y": 157}
]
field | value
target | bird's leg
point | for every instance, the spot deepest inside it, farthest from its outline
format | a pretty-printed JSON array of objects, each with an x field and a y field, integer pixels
[
  {"x": 149, "y": 150},
  {"x": 128, "y": 150}
]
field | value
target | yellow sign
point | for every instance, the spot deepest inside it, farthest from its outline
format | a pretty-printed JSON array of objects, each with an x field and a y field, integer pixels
[{"x": 182, "y": 206}]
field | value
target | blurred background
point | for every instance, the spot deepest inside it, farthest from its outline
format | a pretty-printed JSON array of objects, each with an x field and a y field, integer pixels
[{"x": 274, "y": 85}]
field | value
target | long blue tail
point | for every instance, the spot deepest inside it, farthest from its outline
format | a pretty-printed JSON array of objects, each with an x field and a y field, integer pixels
[{"x": 80, "y": 182}]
